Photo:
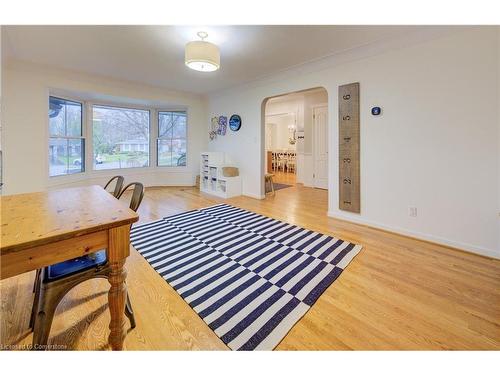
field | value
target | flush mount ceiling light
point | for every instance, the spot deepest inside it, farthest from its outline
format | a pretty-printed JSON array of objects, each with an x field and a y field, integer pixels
[{"x": 202, "y": 56}]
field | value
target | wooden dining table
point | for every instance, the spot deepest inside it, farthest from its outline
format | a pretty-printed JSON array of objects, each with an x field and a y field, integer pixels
[{"x": 44, "y": 228}]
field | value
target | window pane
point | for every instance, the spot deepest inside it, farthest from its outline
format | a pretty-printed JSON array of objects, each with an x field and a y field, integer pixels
[
  {"x": 65, "y": 118},
  {"x": 179, "y": 152},
  {"x": 73, "y": 119},
  {"x": 76, "y": 159},
  {"x": 58, "y": 151},
  {"x": 172, "y": 131},
  {"x": 165, "y": 124},
  {"x": 179, "y": 128},
  {"x": 66, "y": 156},
  {"x": 165, "y": 152},
  {"x": 121, "y": 137},
  {"x": 57, "y": 115}
]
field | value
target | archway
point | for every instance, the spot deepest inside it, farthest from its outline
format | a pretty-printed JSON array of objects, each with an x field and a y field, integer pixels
[{"x": 300, "y": 124}]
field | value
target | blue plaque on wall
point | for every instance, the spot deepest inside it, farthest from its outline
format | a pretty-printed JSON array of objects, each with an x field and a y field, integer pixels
[{"x": 235, "y": 123}]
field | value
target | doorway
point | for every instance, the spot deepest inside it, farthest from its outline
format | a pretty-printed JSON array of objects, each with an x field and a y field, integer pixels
[
  {"x": 281, "y": 146},
  {"x": 296, "y": 139}
]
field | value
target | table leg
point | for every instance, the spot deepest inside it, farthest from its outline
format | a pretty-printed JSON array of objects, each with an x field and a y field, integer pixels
[{"x": 118, "y": 251}]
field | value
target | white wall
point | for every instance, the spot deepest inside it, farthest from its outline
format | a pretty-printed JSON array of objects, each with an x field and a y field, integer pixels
[
  {"x": 271, "y": 135},
  {"x": 498, "y": 132},
  {"x": 280, "y": 134},
  {"x": 434, "y": 147},
  {"x": 26, "y": 89},
  {"x": 1, "y": 71}
]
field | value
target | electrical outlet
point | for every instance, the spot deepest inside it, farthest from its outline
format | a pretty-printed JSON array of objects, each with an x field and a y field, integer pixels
[{"x": 412, "y": 211}]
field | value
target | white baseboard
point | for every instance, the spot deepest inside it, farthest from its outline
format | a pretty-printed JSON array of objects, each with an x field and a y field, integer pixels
[
  {"x": 421, "y": 236},
  {"x": 255, "y": 196},
  {"x": 181, "y": 184}
]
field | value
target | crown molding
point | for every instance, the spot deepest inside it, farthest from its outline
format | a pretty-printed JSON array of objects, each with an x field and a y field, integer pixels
[{"x": 357, "y": 53}]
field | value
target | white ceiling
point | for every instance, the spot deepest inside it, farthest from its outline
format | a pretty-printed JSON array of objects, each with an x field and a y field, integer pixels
[{"x": 155, "y": 54}]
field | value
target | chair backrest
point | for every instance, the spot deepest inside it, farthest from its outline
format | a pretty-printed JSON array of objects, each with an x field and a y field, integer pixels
[
  {"x": 118, "y": 187},
  {"x": 137, "y": 194}
]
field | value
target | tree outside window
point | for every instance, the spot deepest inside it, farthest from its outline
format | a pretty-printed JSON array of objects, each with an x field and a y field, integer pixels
[
  {"x": 172, "y": 138},
  {"x": 120, "y": 137}
]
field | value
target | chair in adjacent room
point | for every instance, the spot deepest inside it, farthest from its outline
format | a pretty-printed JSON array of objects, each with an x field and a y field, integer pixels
[
  {"x": 52, "y": 283},
  {"x": 274, "y": 160},
  {"x": 268, "y": 181},
  {"x": 281, "y": 161},
  {"x": 291, "y": 162}
]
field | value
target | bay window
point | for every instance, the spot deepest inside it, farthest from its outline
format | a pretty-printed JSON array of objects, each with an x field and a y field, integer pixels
[{"x": 120, "y": 137}]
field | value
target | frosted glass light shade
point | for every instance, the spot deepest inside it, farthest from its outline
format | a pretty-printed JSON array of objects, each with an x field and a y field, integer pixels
[{"x": 202, "y": 56}]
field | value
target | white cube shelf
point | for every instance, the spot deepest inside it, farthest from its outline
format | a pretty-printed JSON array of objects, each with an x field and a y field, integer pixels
[{"x": 212, "y": 180}]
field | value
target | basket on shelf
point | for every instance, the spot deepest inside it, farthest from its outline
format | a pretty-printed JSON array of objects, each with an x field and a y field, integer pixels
[{"x": 230, "y": 171}]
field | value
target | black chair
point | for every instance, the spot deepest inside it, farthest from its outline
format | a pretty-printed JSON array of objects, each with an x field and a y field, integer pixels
[
  {"x": 137, "y": 194},
  {"x": 116, "y": 192},
  {"x": 118, "y": 185},
  {"x": 52, "y": 283}
]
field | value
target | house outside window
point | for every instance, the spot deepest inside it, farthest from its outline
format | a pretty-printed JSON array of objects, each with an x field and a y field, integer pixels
[{"x": 120, "y": 137}]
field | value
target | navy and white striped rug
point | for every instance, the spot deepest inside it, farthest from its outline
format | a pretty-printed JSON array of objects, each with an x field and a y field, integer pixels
[{"x": 249, "y": 277}]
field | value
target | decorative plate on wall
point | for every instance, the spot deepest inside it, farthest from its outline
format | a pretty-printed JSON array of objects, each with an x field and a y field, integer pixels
[{"x": 235, "y": 123}]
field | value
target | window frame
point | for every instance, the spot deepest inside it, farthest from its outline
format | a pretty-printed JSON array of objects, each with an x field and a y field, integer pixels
[
  {"x": 158, "y": 138},
  {"x": 90, "y": 109},
  {"x": 82, "y": 137}
]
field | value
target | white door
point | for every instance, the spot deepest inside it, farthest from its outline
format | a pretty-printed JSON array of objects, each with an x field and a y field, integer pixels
[{"x": 320, "y": 147}]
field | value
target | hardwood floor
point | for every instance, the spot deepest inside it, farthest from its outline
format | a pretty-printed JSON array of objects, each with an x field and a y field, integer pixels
[
  {"x": 398, "y": 293},
  {"x": 285, "y": 177}
]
